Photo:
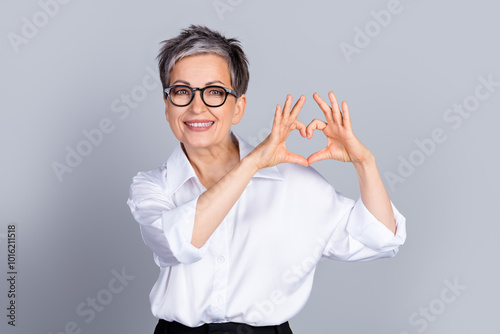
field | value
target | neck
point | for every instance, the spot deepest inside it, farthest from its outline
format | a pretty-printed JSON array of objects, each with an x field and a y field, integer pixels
[{"x": 212, "y": 163}]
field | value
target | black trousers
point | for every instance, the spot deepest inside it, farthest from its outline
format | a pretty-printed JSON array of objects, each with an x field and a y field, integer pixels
[{"x": 173, "y": 327}]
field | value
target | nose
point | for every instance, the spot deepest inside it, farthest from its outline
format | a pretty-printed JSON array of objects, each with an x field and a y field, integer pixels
[{"x": 197, "y": 105}]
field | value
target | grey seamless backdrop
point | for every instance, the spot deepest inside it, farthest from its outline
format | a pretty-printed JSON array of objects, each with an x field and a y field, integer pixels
[{"x": 83, "y": 113}]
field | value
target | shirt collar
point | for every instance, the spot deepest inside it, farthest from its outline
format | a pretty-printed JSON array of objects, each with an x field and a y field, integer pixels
[{"x": 179, "y": 169}]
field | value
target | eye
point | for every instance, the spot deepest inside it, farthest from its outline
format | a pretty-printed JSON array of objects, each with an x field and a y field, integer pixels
[
  {"x": 216, "y": 91},
  {"x": 182, "y": 91}
]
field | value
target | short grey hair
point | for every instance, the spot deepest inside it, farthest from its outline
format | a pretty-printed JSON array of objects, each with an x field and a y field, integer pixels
[{"x": 197, "y": 40}]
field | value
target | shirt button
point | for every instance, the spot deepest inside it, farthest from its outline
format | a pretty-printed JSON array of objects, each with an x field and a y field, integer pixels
[{"x": 221, "y": 259}]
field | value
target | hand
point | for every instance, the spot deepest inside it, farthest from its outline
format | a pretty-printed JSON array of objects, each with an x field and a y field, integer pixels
[
  {"x": 272, "y": 151},
  {"x": 342, "y": 144}
]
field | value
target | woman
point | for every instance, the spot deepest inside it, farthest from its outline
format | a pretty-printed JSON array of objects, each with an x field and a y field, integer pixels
[{"x": 237, "y": 231}]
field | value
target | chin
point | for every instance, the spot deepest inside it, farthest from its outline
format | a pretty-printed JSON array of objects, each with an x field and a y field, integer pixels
[{"x": 197, "y": 142}]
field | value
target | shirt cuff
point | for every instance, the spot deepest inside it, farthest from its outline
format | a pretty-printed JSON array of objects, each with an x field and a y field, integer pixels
[
  {"x": 365, "y": 228},
  {"x": 178, "y": 227}
]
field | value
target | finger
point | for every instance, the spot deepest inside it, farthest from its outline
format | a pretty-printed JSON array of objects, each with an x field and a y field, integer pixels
[
  {"x": 287, "y": 106},
  {"x": 298, "y": 106},
  {"x": 318, "y": 156},
  {"x": 337, "y": 115},
  {"x": 301, "y": 127},
  {"x": 296, "y": 159},
  {"x": 277, "y": 119},
  {"x": 315, "y": 124},
  {"x": 346, "y": 116},
  {"x": 324, "y": 107},
  {"x": 278, "y": 113}
]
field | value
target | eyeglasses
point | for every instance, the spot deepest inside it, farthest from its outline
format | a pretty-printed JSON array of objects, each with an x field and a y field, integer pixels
[{"x": 212, "y": 96}]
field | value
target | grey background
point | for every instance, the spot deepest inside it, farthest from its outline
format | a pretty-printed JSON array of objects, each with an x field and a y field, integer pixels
[{"x": 72, "y": 234}]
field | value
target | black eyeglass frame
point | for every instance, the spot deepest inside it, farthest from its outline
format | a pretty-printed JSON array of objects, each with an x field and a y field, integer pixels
[{"x": 202, "y": 90}]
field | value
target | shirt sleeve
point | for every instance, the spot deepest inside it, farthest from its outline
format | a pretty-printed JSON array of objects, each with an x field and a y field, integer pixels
[
  {"x": 166, "y": 229},
  {"x": 359, "y": 236}
]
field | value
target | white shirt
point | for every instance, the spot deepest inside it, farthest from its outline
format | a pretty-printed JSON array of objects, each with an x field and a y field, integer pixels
[{"x": 258, "y": 265}]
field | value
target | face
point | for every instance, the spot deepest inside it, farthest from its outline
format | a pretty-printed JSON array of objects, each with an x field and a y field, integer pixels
[{"x": 197, "y": 125}]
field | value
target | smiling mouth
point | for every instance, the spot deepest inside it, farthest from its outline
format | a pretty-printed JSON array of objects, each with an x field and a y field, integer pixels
[{"x": 199, "y": 124}]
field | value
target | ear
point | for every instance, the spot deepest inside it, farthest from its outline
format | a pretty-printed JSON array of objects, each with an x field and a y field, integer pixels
[
  {"x": 166, "y": 107},
  {"x": 240, "y": 106}
]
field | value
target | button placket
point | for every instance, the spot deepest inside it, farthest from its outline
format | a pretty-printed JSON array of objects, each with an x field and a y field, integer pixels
[{"x": 221, "y": 273}]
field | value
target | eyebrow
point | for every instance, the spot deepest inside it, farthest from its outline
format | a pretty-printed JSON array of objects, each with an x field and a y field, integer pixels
[{"x": 206, "y": 84}]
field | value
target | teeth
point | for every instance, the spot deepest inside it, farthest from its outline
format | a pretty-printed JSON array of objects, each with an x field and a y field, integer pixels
[{"x": 200, "y": 125}]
